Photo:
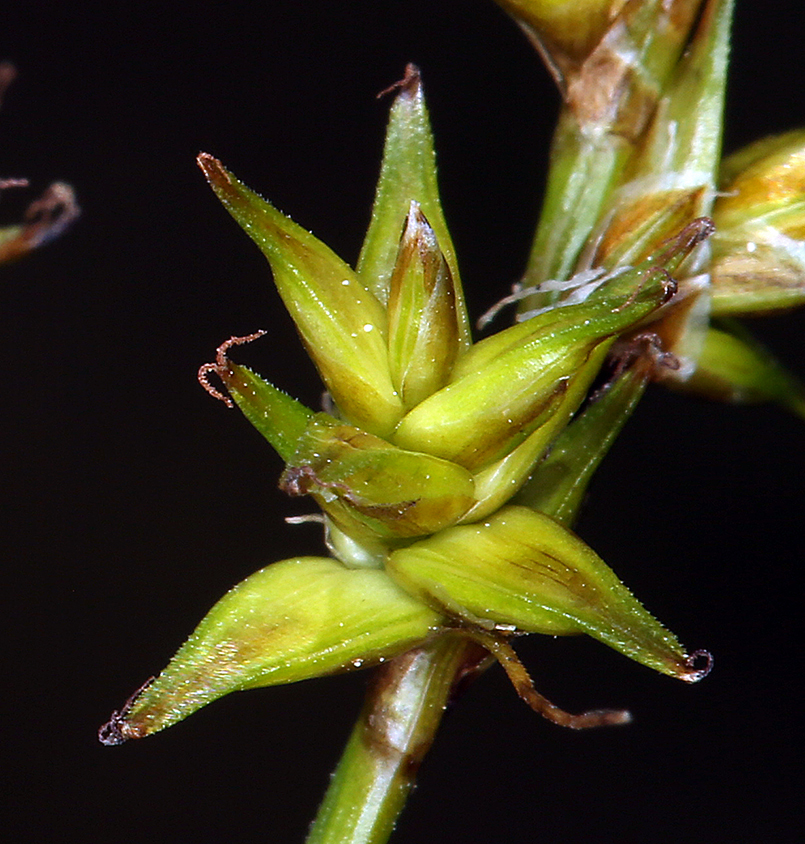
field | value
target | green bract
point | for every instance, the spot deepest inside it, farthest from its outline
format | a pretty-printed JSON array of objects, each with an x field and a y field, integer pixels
[
  {"x": 294, "y": 619},
  {"x": 522, "y": 568}
]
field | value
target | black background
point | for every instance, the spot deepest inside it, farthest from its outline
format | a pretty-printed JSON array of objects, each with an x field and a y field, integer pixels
[{"x": 134, "y": 500}]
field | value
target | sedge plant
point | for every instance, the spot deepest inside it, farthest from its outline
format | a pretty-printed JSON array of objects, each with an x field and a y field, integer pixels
[{"x": 449, "y": 471}]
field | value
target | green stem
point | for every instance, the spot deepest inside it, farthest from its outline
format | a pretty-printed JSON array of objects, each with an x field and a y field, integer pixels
[
  {"x": 582, "y": 173},
  {"x": 394, "y": 731}
]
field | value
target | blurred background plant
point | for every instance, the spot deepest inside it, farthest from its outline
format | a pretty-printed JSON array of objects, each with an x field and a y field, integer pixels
[
  {"x": 45, "y": 218},
  {"x": 106, "y": 580}
]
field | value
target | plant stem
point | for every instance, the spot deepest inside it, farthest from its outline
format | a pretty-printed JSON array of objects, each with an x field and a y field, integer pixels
[
  {"x": 582, "y": 173},
  {"x": 396, "y": 727}
]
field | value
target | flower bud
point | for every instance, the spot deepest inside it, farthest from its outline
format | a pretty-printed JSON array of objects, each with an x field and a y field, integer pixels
[
  {"x": 733, "y": 367},
  {"x": 423, "y": 327},
  {"x": 683, "y": 322},
  {"x": 765, "y": 177},
  {"x": 611, "y": 98},
  {"x": 522, "y": 568},
  {"x": 296, "y": 619},
  {"x": 642, "y": 220},
  {"x": 497, "y": 483},
  {"x": 616, "y": 37},
  {"x": 368, "y": 486},
  {"x": 407, "y": 174},
  {"x": 759, "y": 246},
  {"x": 570, "y": 27},
  {"x": 342, "y": 324},
  {"x": 671, "y": 179},
  {"x": 510, "y": 384},
  {"x": 610, "y": 58}
]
